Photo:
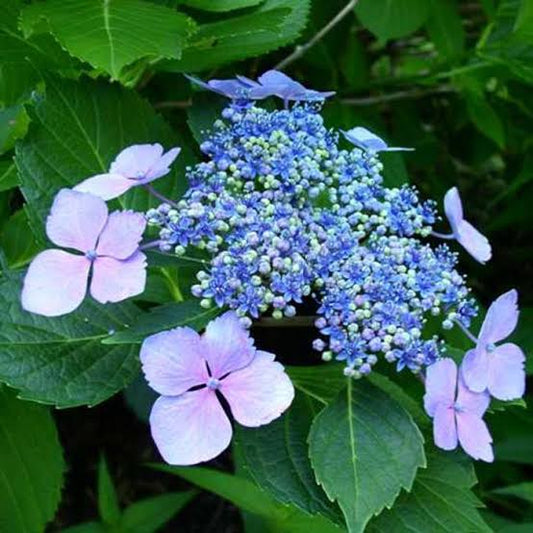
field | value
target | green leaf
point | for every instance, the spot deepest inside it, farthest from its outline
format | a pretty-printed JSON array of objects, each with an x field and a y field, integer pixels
[
  {"x": 484, "y": 117},
  {"x": 31, "y": 465},
  {"x": 22, "y": 59},
  {"x": 322, "y": 382},
  {"x": 163, "y": 317},
  {"x": 220, "y": 5},
  {"x": 274, "y": 24},
  {"x": 276, "y": 456},
  {"x": 524, "y": 491},
  {"x": 17, "y": 240},
  {"x": 248, "y": 497},
  {"x": 110, "y": 35},
  {"x": 364, "y": 449},
  {"x": 88, "y": 527},
  {"x": 445, "y": 28},
  {"x": 201, "y": 116},
  {"x": 390, "y": 19},
  {"x": 394, "y": 170},
  {"x": 147, "y": 516},
  {"x": 441, "y": 501},
  {"x": 108, "y": 506},
  {"x": 77, "y": 129},
  {"x": 61, "y": 360},
  {"x": 524, "y": 22},
  {"x": 8, "y": 175}
]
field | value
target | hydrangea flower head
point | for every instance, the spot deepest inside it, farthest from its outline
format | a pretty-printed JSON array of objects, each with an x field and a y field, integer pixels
[
  {"x": 497, "y": 369},
  {"x": 187, "y": 421},
  {"x": 56, "y": 281},
  {"x": 366, "y": 140},
  {"x": 136, "y": 165},
  {"x": 457, "y": 411},
  {"x": 474, "y": 242}
]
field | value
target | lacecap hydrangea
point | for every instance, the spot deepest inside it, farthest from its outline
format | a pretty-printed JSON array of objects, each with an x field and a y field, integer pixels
[
  {"x": 290, "y": 212},
  {"x": 290, "y": 217}
]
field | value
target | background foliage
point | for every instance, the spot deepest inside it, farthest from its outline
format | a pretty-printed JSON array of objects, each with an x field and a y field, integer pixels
[{"x": 81, "y": 79}]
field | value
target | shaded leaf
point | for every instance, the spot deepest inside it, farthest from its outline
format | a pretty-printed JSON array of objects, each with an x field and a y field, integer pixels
[
  {"x": 248, "y": 497},
  {"x": 445, "y": 28},
  {"x": 8, "y": 175},
  {"x": 150, "y": 514},
  {"x": 31, "y": 465},
  {"x": 390, "y": 19},
  {"x": 107, "y": 497},
  {"x": 524, "y": 491},
  {"x": 17, "y": 240},
  {"x": 364, "y": 449}
]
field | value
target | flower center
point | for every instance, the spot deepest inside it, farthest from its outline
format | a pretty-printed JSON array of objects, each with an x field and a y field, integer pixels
[
  {"x": 491, "y": 347},
  {"x": 91, "y": 255},
  {"x": 213, "y": 384},
  {"x": 458, "y": 407}
]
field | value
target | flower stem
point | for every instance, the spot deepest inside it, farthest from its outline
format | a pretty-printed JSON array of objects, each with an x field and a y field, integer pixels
[
  {"x": 159, "y": 196},
  {"x": 150, "y": 244},
  {"x": 447, "y": 236},
  {"x": 467, "y": 332},
  {"x": 300, "y": 50}
]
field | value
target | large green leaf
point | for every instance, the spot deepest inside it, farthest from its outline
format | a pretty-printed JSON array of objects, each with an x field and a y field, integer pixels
[
  {"x": 445, "y": 28},
  {"x": 364, "y": 448},
  {"x": 220, "y": 5},
  {"x": 276, "y": 455},
  {"x": 77, "y": 130},
  {"x": 61, "y": 360},
  {"x": 110, "y": 34},
  {"x": 389, "y": 19},
  {"x": 22, "y": 59},
  {"x": 274, "y": 24},
  {"x": 441, "y": 501},
  {"x": 108, "y": 506},
  {"x": 166, "y": 316},
  {"x": 31, "y": 465},
  {"x": 248, "y": 497}
]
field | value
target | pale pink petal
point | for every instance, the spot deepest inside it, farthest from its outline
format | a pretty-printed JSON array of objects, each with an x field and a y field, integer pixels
[
  {"x": 475, "y": 369},
  {"x": 76, "y": 220},
  {"x": 501, "y": 318},
  {"x": 444, "y": 428},
  {"x": 507, "y": 377},
  {"x": 121, "y": 234},
  {"x": 474, "y": 242},
  {"x": 115, "y": 280},
  {"x": 441, "y": 379},
  {"x": 474, "y": 436},
  {"x": 228, "y": 345},
  {"x": 56, "y": 283},
  {"x": 106, "y": 186},
  {"x": 468, "y": 400},
  {"x": 136, "y": 161},
  {"x": 258, "y": 393},
  {"x": 191, "y": 428},
  {"x": 162, "y": 165},
  {"x": 172, "y": 361},
  {"x": 453, "y": 207}
]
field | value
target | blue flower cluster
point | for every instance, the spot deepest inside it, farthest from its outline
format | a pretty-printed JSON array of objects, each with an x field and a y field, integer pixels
[{"x": 288, "y": 216}]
